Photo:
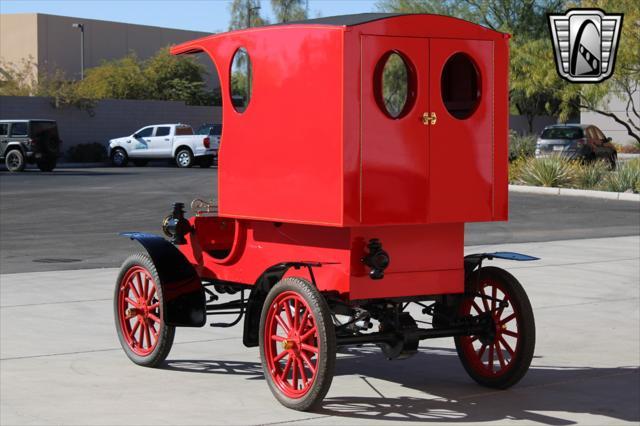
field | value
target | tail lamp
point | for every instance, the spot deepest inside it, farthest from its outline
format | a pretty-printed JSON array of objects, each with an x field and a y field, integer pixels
[{"x": 206, "y": 142}]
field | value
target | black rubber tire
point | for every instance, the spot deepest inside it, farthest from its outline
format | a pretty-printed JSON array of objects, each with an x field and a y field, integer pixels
[
  {"x": 205, "y": 162},
  {"x": 14, "y": 160},
  {"x": 47, "y": 164},
  {"x": 166, "y": 333},
  {"x": 524, "y": 312},
  {"x": 326, "y": 337},
  {"x": 613, "y": 161},
  {"x": 119, "y": 157},
  {"x": 140, "y": 163},
  {"x": 184, "y": 158}
]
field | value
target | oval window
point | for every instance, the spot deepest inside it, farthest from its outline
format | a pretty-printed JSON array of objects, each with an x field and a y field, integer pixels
[
  {"x": 394, "y": 85},
  {"x": 241, "y": 80},
  {"x": 460, "y": 86}
]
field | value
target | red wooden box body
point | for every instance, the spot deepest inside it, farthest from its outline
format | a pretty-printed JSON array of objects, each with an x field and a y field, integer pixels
[{"x": 314, "y": 148}]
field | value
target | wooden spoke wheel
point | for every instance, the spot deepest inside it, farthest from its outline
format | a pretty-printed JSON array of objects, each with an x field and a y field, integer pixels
[
  {"x": 144, "y": 336},
  {"x": 297, "y": 344},
  {"x": 501, "y": 356}
]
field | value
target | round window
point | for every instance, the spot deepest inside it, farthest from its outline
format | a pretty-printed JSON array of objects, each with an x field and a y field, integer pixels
[
  {"x": 395, "y": 85},
  {"x": 241, "y": 80},
  {"x": 460, "y": 86}
]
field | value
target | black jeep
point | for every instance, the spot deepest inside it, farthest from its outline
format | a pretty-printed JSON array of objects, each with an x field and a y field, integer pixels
[{"x": 29, "y": 141}]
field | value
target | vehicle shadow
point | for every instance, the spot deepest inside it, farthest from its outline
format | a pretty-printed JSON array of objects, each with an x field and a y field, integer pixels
[
  {"x": 441, "y": 391},
  {"x": 72, "y": 172}
]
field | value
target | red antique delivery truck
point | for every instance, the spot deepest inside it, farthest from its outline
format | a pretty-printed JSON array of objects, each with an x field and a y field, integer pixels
[{"x": 361, "y": 146}]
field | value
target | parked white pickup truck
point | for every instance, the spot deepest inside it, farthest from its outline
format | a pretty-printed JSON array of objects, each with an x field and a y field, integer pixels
[{"x": 164, "y": 141}]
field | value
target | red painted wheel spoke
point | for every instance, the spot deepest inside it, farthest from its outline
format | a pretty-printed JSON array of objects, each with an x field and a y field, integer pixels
[
  {"x": 510, "y": 333},
  {"x": 507, "y": 319},
  {"x": 309, "y": 348},
  {"x": 154, "y": 318},
  {"x": 280, "y": 321},
  {"x": 134, "y": 329},
  {"x": 152, "y": 292},
  {"x": 278, "y": 338},
  {"x": 303, "y": 374},
  {"x": 285, "y": 370},
  {"x": 494, "y": 295},
  {"x": 308, "y": 362},
  {"x": 295, "y": 314},
  {"x": 141, "y": 334},
  {"x": 308, "y": 333},
  {"x": 280, "y": 356},
  {"x": 484, "y": 300},
  {"x": 506, "y": 346},
  {"x": 481, "y": 351},
  {"x": 154, "y": 306},
  {"x": 477, "y": 308},
  {"x": 147, "y": 334},
  {"x": 491, "y": 358},
  {"x": 286, "y": 307},
  {"x": 500, "y": 356},
  {"x": 129, "y": 301},
  {"x": 294, "y": 373},
  {"x": 132, "y": 285},
  {"x": 145, "y": 286},
  {"x": 303, "y": 320},
  {"x": 154, "y": 333}
]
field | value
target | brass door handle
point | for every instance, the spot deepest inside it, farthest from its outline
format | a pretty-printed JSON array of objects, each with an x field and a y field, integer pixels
[{"x": 429, "y": 118}]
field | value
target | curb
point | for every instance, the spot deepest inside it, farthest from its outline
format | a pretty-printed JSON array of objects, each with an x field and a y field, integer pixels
[{"x": 570, "y": 192}]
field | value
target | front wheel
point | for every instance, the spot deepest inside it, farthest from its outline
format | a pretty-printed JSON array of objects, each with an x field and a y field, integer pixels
[
  {"x": 119, "y": 157},
  {"x": 297, "y": 344},
  {"x": 138, "y": 311},
  {"x": 15, "y": 161},
  {"x": 184, "y": 158},
  {"x": 500, "y": 356}
]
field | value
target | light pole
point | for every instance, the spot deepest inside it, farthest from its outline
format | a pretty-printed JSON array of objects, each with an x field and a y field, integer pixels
[
  {"x": 81, "y": 27},
  {"x": 250, "y": 9}
]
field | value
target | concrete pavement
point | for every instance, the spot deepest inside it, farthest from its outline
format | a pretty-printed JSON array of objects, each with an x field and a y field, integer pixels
[{"x": 61, "y": 362}]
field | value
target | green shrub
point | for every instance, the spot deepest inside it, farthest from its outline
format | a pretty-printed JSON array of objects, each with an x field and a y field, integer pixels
[
  {"x": 515, "y": 170},
  {"x": 547, "y": 171},
  {"x": 87, "y": 153},
  {"x": 590, "y": 175},
  {"x": 625, "y": 178},
  {"x": 521, "y": 146}
]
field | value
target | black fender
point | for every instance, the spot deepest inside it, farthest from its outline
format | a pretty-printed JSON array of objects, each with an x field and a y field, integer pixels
[
  {"x": 474, "y": 261},
  {"x": 184, "y": 302},
  {"x": 258, "y": 294}
]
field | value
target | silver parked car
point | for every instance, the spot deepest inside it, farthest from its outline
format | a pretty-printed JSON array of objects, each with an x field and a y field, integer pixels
[{"x": 576, "y": 141}]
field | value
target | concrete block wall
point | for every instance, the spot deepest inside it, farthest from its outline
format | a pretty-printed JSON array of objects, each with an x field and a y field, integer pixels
[{"x": 109, "y": 118}]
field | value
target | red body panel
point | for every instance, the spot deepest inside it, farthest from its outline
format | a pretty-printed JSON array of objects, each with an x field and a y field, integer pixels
[{"x": 313, "y": 168}]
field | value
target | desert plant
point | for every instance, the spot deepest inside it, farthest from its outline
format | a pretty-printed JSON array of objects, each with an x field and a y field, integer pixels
[
  {"x": 625, "y": 178},
  {"x": 548, "y": 171},
  {"x": 515, "y": 170},
  {"x": 521, "y": 146},
  {"x": 87, "y": 153},
  {"x": 590, "y": 175}
]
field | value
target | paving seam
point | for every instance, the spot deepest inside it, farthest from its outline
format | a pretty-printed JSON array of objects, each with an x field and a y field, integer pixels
[
  {"x": 54, "y": 303},
  {"x": 16, "y": 358}
]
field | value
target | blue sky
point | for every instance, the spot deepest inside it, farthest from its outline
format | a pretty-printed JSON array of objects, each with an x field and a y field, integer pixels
[{"x": 197, "y": 15}]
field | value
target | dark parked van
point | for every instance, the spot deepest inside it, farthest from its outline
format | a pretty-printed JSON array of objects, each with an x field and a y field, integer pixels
[{"x": 29, "y": 141}]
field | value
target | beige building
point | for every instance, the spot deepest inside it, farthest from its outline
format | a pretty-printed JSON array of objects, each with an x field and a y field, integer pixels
[{"x": 53, "y": 43}]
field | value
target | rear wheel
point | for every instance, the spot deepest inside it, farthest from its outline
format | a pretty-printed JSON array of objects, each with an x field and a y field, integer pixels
[
  {"x": 205, "y": 162},
  {"x": 501, "y": 356},
  {"x": 119, "y": 157},
  {"x": 297, "y": 344},
  {"x": 14, "y": 160},
  {"x": 138, "y": 311},
  {"x": 47, "y": 164}
]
